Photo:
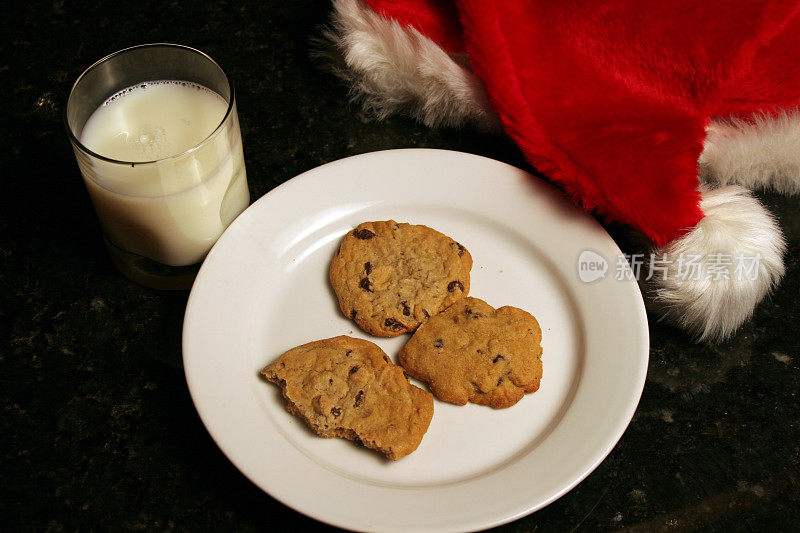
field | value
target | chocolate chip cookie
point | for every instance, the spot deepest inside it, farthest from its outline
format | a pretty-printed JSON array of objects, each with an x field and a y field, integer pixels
[
  {"x": 389, "y": 277},
  {"x": 346, "y": 387},
  {"x": 472, "y": 352}
]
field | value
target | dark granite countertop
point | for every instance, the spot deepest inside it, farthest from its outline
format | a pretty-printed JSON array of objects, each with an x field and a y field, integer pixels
[{"x": 97, "y": 428}]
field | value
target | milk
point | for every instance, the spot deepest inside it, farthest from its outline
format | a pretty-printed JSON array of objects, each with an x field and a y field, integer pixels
[{"x": 156, "y": 199}]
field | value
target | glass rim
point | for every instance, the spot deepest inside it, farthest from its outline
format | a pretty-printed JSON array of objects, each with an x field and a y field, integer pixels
[{"x": 76, "y": 142}]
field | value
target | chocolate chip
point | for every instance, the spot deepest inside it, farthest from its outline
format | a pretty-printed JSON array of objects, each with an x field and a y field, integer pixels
[
  {"x": 406, "y": 309},
  {"x": 498, "y": 358},
  {"x": 386, "y": 358},
  {"x": 359, "y": 398},
  {"x": 460, "y": 249},
  {"x": 366, "y": 284},
  {"x": 405, "y": 375},
  {"x": 363, "y": 234},
  {"x": 353, "y": 370},
  {"x": 330, "y": 381},
  {"x": 426, "y": 313},
  {"x": 472, "y": 313},
  {"x": 358, "y": 441},
  {"x": 368, "y": 267},
  {"x": 499, "y": 381},
  {"x": 438, "y": 343},
  {"x": 337, "y": 251},
  {"x": 453, "y": 285},
  {"x": 348, "y": 352},
  {"x": 393, "y": 323},
  {"x": 336, "y": 411}
]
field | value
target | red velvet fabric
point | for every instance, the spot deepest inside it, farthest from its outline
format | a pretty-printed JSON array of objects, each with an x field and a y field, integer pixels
[
  {"x": 611, "y": 99},
  {"x": 435, "y": 19}
]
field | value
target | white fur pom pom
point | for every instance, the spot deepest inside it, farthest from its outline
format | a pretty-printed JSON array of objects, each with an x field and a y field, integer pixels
[
  {"x": 710, "y": 280},
  {"x": 760, "y": 153},
  {"x": 394, "y": 69}
]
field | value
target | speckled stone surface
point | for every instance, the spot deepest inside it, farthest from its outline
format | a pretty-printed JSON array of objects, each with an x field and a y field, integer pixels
[{"x": 97, "y": 430}]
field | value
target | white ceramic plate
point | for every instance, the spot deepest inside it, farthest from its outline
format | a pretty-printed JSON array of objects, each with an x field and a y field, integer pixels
[{"x": 264, "y": 289}]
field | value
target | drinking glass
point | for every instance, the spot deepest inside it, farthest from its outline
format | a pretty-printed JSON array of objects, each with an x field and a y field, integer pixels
[{"x": 160, "y": 217}]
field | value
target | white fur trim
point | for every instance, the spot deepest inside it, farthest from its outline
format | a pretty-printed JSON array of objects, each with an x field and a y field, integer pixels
[
  {"x": 392, "y": 69},
  {"x": 759, "y": 153},
  {"x": 736, "y": 233}
]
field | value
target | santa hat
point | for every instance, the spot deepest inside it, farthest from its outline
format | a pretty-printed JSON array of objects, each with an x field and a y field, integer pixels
[{"x": 658, "y": 115}]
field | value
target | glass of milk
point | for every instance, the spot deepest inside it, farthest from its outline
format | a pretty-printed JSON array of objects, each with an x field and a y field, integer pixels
[{"x": 156, "y": 135}]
